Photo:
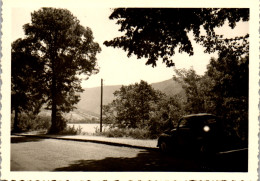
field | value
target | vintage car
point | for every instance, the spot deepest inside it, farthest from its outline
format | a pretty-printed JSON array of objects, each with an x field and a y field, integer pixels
[{"x": 196, "y": 133}]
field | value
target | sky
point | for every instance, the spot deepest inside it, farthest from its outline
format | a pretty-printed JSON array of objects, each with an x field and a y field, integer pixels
[{"x": 115, "y": 68}]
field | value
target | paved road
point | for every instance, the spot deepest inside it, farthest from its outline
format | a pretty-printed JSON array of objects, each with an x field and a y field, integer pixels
[{"x": 35, "y": 154}]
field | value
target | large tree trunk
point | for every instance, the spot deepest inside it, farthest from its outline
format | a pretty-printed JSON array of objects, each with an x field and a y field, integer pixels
[
  {"x": 54, "y": 126},
  {"x": 58, "y": 124},
  {"x": 54, "y": 122}
]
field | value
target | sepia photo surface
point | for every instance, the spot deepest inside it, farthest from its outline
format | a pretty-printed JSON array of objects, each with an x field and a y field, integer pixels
[{"x": 113, "y": 90}]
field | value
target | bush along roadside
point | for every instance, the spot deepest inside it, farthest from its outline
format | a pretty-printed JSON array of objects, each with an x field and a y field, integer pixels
[
  {"x": 71, "y": 130},
  {"x": 32, "y": 123},
  {"x": 42, "y": 123},
  {"x": 135, "y": 133}
]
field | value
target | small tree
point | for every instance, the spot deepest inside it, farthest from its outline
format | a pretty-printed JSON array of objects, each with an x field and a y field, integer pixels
[
  {"x": 67, "y": 50},
  {"x": 166, "y": 114},
  {"x": 191, "y": 82},
  {"x": 27, "y": 86},
  {"x": 132, "y": 106}
]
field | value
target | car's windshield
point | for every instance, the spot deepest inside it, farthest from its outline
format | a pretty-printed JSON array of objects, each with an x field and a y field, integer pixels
[
  {"x": 196, "y": 121},
  {"x": 210, "y": 121},
  {"x": 183, "y": 123}
]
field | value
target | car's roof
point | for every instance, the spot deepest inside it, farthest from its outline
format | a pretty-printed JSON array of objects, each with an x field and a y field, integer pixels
[{"x": 198, "y": 115}]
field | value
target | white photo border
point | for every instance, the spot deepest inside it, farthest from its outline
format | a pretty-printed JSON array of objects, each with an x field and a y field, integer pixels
[{"x": 252, "y": 173}]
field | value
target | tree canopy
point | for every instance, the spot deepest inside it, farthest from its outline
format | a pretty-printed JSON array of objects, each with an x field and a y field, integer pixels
[
  {"x": 192, "y": 84},
  {"x": 229, "y": 93},
  {"x": 27, "y": 88},
  {"x": 157, "y": 33},
  {"x": 140, "y": 107},
  {"x": 133, "y": 104},
  {"x": 222, "y": 90},
  {"x": 67, "y": 50}
]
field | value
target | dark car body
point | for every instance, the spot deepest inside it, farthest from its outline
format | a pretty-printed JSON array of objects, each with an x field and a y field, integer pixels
[{"x": 196, "y": 133}]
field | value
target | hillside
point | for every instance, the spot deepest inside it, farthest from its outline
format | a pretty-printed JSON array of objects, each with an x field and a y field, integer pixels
[
  {"x": 169, "y": 87},
  {"x": 90, "y": 98},
  {"x": 75, "y": 116}
]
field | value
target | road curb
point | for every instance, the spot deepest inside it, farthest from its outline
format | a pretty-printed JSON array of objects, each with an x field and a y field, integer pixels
[{"x": 91, "y": 141}]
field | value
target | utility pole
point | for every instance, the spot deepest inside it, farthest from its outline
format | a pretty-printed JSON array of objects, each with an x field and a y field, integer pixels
[{"x": 101, "y": 105}]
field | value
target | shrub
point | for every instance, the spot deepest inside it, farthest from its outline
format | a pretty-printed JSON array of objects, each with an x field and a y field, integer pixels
[
  {"x": 59, "y": 124},
  {"x": 136, "y": 133},
  {"x": 71, "y": 130},
  {"x": 29, "y": 122},
  {"x": 139, "y": 133},
  {"x": 43, "y": 122},
  {"x": 85, "y": 121}
]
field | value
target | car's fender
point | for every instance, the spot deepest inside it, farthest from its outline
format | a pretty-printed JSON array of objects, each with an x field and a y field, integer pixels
[
  {"x": 163, "y": 137},
  {"x": 166, "y": 137}
]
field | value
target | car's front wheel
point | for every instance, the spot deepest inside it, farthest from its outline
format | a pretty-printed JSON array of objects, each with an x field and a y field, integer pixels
[
  {"x": 206, "y": 150},
  {"x": 163, "y": 146}
]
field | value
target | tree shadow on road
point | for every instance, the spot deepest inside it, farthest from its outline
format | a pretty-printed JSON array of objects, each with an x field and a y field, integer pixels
[
  {"x": 23, "y": 139},
  {"x": 144, "y": 161}
]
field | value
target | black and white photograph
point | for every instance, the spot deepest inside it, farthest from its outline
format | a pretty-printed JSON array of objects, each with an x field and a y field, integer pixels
[{"x": 129, "y": 91}]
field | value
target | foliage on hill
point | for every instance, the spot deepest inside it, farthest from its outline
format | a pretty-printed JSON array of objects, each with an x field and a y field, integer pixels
[{"x": 80, "y": 116}]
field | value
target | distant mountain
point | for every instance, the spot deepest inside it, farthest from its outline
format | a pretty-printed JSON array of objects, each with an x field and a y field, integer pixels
[
  {"x": 169, "y": 87},
  {"x": 90, "y": 98}
]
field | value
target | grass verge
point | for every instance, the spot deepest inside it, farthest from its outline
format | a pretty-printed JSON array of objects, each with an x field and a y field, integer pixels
[{"x": 135, "y": 133}]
